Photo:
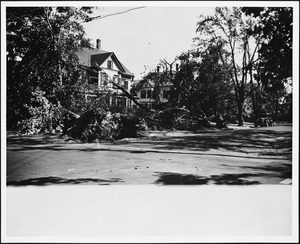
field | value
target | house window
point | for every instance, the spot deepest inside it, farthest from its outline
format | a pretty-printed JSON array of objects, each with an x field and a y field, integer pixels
[
  {"x": 165, "y": 93},
  {"x": 104, "y": 79},
  {"x": 149, "y": 93},
  {"x": 126, "y": 84},
  {"x": 109, "y": 64},
  {"x": 143, "y": 93},
  {"x": 116, "y": 79},
  {"x": 93, "y": 79}
]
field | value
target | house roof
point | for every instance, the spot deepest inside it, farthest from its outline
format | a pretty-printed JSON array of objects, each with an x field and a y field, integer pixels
[
  {"x": 84, "y": 55},
  {"x": 98, "y": 59},
  {"x": 92, "y": 57}
]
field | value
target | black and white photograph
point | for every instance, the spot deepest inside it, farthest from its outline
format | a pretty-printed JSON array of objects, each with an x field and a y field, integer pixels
[{"x": 149, "y": 121}]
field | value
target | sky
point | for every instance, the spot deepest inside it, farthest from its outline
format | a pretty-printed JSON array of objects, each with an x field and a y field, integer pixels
[{"x": 144, "y": 36}]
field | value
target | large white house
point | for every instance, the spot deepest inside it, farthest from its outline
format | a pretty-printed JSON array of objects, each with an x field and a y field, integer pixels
[{"x": 106, "y": 69}]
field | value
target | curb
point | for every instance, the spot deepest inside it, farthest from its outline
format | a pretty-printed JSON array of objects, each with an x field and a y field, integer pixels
[{"x": 286, "y": 182}]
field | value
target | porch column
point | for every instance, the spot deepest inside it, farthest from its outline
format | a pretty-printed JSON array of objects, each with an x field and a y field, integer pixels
[{"x": 99, "y": 79}]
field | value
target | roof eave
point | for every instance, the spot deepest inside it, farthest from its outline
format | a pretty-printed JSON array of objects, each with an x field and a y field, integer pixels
[{"x": 124, "y": 73}]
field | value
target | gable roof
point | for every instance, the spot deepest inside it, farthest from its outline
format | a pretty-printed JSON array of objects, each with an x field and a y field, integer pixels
[
  {"x": 126, "y": 70},
  {"x": 92, "y": 57},
  {"x": 98, "y": 59},
  {"x": 84, "y": 55}
]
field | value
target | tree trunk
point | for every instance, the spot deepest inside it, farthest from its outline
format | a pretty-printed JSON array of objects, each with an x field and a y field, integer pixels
[
  {"x": 240, "y": 95},
  {"x": 253, "y": 96},
  {"x": 60, "y": 77},
  {"x": 276, "y": 109},
  {"x": 240, "y": 116},
  {"x": 240, "y": 105},
  {"x": 290, "y": 111}
]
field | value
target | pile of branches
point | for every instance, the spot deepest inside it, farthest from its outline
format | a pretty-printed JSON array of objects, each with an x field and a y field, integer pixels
[
  {"x": 104, "y": 126},
  {"x": 177, "y": 118}
]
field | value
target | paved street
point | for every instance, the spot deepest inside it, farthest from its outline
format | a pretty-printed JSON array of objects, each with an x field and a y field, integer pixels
[{"x": 237, "y": 156}]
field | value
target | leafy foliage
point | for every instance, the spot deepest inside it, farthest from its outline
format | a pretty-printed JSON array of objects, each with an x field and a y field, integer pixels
[
  {"x": 203, "y": 82},
  {"x": 275, "y": 29},
  {"x": 214, "y": 85},
  {"x": 41, "y": 52},
  {"x": 44, "y": 116},
  {"x": 228, "y": 28}
]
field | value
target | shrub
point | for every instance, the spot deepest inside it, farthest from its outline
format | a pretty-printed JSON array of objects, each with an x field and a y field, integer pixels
[{"x": 44, "y": 116}]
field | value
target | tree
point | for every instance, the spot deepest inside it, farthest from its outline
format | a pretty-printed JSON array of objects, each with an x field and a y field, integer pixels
[
  {"x": 202, "y": 84},
  {"x": 275, "y": 27},
  {"x": 214, "y": 85},
  {"x": 41, "y": 53},
  {"x": 228, "y": 28}
]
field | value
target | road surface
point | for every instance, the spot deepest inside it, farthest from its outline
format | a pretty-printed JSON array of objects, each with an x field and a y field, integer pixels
[{"x": 235, "y": 156}]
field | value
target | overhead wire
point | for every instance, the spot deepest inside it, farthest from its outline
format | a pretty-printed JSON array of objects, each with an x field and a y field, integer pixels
[{"x": 112, "y": 14}]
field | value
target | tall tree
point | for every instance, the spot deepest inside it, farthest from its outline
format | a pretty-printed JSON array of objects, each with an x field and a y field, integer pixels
[
  {"x": 202, "y": 83},
  {"x": 228, "y": 28},
  {"x": 214, "y": 85},
  {"x": 41, "y": 52},
  {"x": 275, "y": 28}
]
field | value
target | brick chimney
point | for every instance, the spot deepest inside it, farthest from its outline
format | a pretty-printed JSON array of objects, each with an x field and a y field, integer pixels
[{"x": 98, "y": 44}]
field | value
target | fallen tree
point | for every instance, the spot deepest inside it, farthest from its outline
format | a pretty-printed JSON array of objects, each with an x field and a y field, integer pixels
[{"x": 101, "y": 125}]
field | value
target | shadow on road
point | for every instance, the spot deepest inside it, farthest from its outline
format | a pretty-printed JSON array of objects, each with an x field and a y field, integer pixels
[
  {"x": 233, "y": 140},
  {"x": 169, "y": 178},
  {"x": 36, "y": 139},
  {"x": 44, "y": 181},
  {"x": 282, "y": 171}
]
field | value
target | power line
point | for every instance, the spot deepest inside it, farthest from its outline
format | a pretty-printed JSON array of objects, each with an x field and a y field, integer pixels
[{"x": 108, "y": 15}]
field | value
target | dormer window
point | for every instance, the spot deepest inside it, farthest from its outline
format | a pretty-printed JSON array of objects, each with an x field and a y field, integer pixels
[{"x": 109, "y": 64}]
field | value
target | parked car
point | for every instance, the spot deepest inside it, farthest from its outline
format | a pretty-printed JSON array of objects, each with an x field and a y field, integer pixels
[{"x": 264, "y": 121}]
